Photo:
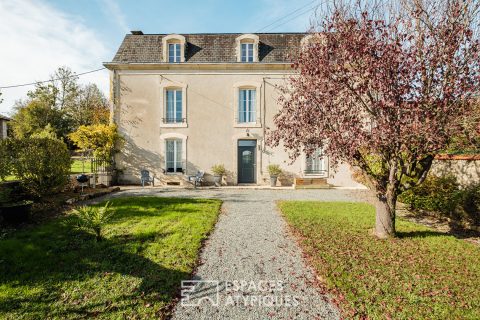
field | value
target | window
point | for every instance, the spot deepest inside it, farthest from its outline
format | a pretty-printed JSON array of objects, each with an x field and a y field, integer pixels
[
  {"x": 246, "y": 105},
  {"x": 173, "y": 110},
  {"x": 315, "y": 163},
  {"x": 247, "y": 52},
  {"x": 173, "y": 155},
  {"x": 174, "y": 52}
]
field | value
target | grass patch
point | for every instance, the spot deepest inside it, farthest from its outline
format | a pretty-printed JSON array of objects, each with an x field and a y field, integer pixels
[
  {"x": 77, "y": 166},
  {"x": 53, "y": 271},
  {"x": 422, "y": 274}
]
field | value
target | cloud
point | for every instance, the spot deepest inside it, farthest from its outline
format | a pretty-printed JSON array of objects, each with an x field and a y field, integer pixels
[
  {"x": 113, "y": 11},
  {"x": 36, "y": 39}
]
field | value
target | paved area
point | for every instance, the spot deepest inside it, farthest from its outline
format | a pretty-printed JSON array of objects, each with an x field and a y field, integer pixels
[{"x": 252, "y": 267}]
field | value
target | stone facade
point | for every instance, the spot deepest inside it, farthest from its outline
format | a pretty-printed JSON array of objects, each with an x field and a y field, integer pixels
[{"x": 209, "y": 82}]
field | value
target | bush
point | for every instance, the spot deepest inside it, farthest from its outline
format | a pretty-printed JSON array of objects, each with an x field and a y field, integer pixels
[
  {"x": 92, "y": 219},
  {"x": 274, "y": 170},
  {"x": 443, "y": 195},
  {"x": 42, "y": 164},
  {"x": 219, "y": 170},
  {"x": 100, "y": 138}
]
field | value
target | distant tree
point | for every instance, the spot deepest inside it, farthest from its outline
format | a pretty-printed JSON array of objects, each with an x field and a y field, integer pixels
[
  {"x": 35, "y": 116},
  {"x": 61, "y": 103},
  {"x": 91, "y": 107},
  {"x": 383, "y": 95}
]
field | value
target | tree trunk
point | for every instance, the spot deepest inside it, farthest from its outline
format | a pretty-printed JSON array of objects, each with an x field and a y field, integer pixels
[{"x": 385, "y": 215}]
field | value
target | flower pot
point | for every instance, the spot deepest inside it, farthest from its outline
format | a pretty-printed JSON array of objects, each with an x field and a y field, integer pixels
[
  {"x": 273, "y": 181},
  {"x": 15, "y": 213},
  {"x": 217, "y": 179}
]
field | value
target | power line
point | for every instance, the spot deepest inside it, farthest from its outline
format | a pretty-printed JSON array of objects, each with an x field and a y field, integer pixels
[
  {"x": 294, "y": 17},
  {"x": 36, "y": 82},
  {"x": 281, "y": 18}
]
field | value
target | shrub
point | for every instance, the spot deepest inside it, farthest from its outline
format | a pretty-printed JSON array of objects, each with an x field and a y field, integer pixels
[
  {"x": 42, "y": 164},
  {"x": 92, "y": 219},
  {"x": 6, "y": 158},
  {"x": 219, "y": 170},
  {"x": 439, "y": 194},
  {"x": 444, "y": 195},
  {"x": 274, "y": 170}
]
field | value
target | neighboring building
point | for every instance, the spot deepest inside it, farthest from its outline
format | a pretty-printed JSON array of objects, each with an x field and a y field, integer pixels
[
  {"x": 3, "y": 126},
  {"x": 187, "y": 102}
]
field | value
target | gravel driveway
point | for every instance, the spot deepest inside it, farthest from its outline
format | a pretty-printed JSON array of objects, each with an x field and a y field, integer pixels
[{"x": 252, "y": 266}]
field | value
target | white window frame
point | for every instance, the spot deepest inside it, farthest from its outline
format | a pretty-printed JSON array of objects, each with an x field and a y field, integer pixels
[
  {"x": 175, "y": 106},
  {"x": 257, "y": 107},
  {"x": 176, "y": 52},
  {"x": 316, "y": 162},
  {"x": 176, "y": 153},
  {"x": 247, "y": 39},
  {"x": 173, "y": 39},
  {"x": 246, "y": 106},
  {"x": 166, "y": 85},
  {"x": 163, "y": 151},
  {"x": 246, "y": 51}
]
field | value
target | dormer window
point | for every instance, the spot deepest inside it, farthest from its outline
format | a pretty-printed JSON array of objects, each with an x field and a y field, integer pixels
[
  {"x": 174, "y": 52},
  {"x": 247, "y": 52},
  {"x": 173, "y": 48},
  {"x": 247, "y": 48}
]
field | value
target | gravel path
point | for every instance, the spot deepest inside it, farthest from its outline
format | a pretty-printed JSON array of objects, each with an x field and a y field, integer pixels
[{"x": 253, "y": 266}]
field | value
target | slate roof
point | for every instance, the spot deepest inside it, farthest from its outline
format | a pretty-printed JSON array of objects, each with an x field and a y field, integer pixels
[
  {"x": 208, "y": 48},
  {"x": 4, "y": 118}
]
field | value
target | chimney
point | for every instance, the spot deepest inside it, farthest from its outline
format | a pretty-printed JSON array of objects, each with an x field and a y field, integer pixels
[{"x": 137, "y": 32}]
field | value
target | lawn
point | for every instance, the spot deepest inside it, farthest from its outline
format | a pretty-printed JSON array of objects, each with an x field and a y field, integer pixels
[
  {"x": 77, "y": 166},
  {"x": 421, "y": 274},
  {"x": 54, "y": 271}
]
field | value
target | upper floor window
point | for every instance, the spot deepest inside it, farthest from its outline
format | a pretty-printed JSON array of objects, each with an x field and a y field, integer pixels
[
  {"x": 247, "y": 48},
  {"x": 174, "y": 48},
  {"x": 174, "y": 106},
  {"x": 173, "y": 156},
  {"x": 247, "y": 52},
  {"x": 315, "y": 163},
  {"x": 174, "y": 52},
  {"x": 246, "y": 105}
]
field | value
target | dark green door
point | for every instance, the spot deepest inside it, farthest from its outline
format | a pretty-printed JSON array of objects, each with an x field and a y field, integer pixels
[{"x": 246, "y": 161}]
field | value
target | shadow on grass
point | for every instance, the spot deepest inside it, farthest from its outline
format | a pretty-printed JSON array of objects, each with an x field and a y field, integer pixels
[
  {"x": 420, "y": 234},
  {"x": 44, "y": 262}
]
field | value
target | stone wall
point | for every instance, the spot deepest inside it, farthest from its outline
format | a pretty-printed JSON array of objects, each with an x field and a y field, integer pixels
[{"x": 466, "y": 168}]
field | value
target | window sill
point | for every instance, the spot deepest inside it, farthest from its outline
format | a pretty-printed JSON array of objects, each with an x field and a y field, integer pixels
[
  {"x": 174, "y": 173},
  {"x": 316, "y": 175},
  {"x": 247, "y": 125},
  {"x": 174, "y": 125}
]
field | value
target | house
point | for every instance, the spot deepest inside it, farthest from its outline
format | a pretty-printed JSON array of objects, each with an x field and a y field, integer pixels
[
  {"x": 3, "y": 126},
  {"x": 184, "y": 102}
]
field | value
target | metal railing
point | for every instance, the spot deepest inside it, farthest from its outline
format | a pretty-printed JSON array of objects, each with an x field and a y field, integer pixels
[{"x": 174, "y": 120}]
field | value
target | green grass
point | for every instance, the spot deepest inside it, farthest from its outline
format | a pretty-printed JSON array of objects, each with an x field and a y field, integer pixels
[
  {"x": 54, "y": 271},
  {"x": 421, "y": 274},
  {"x": 75, "y": 169},
  {"x": 77, "y": 166}
]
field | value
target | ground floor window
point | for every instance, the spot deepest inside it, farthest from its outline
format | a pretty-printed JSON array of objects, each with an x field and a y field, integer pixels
[
  {"x": 315, "y": 163},
  {"x": 173, "y": 155}
]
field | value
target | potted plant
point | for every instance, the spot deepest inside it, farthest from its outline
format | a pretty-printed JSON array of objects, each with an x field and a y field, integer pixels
[
  {"x": 13, "y": 210},
  {"x": 218, "y": 172},
  {"x": 274, "y": 171}
]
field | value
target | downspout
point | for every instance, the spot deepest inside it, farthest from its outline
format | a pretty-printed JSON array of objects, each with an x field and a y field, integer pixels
[{"x": 263, "y": 125}]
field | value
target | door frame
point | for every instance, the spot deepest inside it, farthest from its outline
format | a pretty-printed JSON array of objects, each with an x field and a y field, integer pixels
[{"x": 256, "y": 159}]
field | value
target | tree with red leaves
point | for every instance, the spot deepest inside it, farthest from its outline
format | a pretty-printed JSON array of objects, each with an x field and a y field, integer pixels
[{"x": 383, "y": 95}]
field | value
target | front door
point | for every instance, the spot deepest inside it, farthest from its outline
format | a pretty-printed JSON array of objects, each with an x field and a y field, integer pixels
[{"x": 247, "y": 161}]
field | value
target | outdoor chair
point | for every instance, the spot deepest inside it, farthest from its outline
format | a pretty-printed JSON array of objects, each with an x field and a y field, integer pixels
[
  {"x": 146, "y": 178},
  {"x": 197, "y": 179}
]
